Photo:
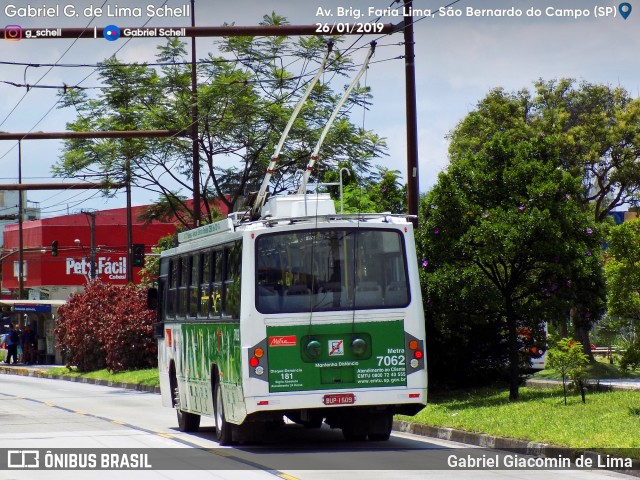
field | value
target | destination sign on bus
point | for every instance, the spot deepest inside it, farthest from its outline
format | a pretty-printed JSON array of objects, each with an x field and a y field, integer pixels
[{"x": 206, "y": 230}]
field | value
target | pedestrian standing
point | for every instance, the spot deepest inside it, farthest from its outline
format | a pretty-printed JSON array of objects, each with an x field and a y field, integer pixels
[{"x": 13, "y": 340}]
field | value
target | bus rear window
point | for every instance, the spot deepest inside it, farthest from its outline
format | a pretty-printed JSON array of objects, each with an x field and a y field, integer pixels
[{"x": 324, "y": 270}]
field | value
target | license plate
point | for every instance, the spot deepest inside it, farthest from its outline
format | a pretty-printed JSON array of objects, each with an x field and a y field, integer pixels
[{"x": 339, "y": 399}]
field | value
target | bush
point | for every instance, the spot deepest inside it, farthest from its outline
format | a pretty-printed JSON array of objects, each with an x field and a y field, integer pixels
[
  {"x": 79, "y": 328},
  {"x": 107, "y": 326},
  {"x": 631, "y": 358}
]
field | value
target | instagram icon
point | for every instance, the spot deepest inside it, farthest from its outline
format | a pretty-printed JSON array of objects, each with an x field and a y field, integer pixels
[{"x": 13, "y": 33}]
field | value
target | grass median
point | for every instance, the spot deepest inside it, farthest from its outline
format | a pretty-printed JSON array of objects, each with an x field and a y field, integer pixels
[
  {"x": 608, "y": 420},
  {"x": 142, "y": 377}
]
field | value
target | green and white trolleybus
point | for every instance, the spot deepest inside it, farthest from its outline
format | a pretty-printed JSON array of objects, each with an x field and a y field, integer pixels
[{"x": 304, "y": 313}]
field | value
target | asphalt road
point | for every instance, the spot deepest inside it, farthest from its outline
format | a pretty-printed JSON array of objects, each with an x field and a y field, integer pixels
[{"x": 38, "y": 414}]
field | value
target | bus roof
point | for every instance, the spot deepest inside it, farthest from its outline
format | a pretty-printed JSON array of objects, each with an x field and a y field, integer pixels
[{"x": 288, "y": 209}]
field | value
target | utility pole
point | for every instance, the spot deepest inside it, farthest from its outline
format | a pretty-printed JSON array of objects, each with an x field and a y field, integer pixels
[
  {"x": 129, "y": 224},
  {"x": 194, "y": 125},
  {"x": 20, "y": 235},
  {"x": 413, "y": 187},
  {"x": 92, "y": 248}
]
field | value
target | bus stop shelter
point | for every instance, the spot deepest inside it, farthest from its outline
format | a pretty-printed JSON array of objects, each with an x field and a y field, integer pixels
[{"x": 41, "y": 315}]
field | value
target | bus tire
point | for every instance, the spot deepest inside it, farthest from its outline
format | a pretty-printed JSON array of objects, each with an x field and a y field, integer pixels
[
  {"x": 353, "y": 433},
  {"x": 187, "y": 422},
  {"x": 223, "y": 428},
  {"x": 380, "y": 426},
  {"x": 379, "y": 437}
]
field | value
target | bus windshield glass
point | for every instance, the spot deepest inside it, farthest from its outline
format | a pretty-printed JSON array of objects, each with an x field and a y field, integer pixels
[{"x": 330, "y": 269}]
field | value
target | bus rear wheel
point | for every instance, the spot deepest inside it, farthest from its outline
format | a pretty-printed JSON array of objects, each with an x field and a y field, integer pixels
[
  {"x": 380, "y": 427},
  {"x": 187, "y": 422},
  {"x": 223, "y": 428}
]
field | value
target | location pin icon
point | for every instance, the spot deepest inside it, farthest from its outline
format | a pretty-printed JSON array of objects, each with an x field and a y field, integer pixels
[{"x": 624, "y": 9}]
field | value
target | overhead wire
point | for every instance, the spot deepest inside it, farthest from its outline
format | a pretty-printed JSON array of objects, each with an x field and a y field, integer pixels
[
  {"x": 38, "y": 81},
  {"x": 58, "y": 100},
  {"x": 100, "y": 65},
  {"x": 47, "y": 72},
  {"x": 74, "y": 205},
  {"x": 297, "y": 78},
  {"x": 246, "y": 83}
]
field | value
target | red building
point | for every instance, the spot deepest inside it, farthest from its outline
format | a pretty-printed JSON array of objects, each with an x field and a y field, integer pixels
[
  {"x": 49, "y": 279},
  {"x": 71, "y": 266}
]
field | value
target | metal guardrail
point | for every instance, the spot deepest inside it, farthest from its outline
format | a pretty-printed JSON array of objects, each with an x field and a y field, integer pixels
[{"x": 604, "y": 350}]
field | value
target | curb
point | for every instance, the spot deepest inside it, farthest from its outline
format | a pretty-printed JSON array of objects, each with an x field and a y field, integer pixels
[
  {"x": 481, "y": 439},
  {"x": 31, "y": 372},
  {"x": 513, "y": 445},
  {"x": 595, "y": 386}
]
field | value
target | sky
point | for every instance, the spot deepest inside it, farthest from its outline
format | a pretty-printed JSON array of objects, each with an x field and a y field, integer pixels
[{"x": 461, "y": 55}]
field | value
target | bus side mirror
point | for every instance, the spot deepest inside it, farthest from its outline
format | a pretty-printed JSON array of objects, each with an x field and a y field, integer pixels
[{"x": 152, "y": 298}]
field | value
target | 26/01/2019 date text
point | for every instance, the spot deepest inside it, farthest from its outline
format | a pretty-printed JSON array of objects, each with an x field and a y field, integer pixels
[{"x": 345, "y": 27}]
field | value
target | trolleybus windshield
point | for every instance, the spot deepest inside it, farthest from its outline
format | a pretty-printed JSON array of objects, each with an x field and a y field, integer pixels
[{"x": 330, "y": 269}]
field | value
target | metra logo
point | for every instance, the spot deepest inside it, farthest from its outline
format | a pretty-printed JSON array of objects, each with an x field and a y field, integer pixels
[{"x": 283, "y": 341}]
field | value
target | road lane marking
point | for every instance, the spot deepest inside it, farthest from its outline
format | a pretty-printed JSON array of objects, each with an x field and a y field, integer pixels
[
  {"x": 222, "y": 452},
  {"x": 286, "y": 476}
]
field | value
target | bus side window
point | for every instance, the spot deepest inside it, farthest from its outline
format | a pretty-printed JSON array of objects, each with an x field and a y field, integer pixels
[
  {"x": 174, "y": 272},
  {"x": 194, "y": 286},
  {"x": 183, "y": 286},
  {"x": 205, "y": 283},
  {"x": 231, "y": 303},
  {"x": 215, "y": 305}
]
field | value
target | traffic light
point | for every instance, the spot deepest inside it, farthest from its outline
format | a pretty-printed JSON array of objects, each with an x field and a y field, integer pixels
[
  {"x": 138, "y": 255},
  {"x": 54, "y": 248}
]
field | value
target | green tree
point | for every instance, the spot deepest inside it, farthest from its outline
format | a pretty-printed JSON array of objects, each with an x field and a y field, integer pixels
[
  {"x": 381, "y": 191},
  {"x": 502, "y": 237},
  {"x": 596, "y": 134},
  {"x": 598, "y": 131},
  {"x": 570, "y": 362},
  {"x": 623, "y": 271},
  {"x": 149, "y": 273},
  {"x": 246, "y": 94},
  {"x": 631, "y": 357},
  {"x": 609, "y": 329}
]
